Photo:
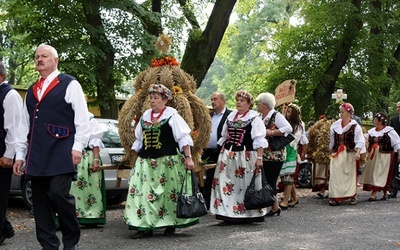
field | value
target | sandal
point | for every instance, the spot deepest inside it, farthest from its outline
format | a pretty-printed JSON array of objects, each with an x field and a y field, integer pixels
[
  {"x": 334, "y": 203},
  {"x": 383, "y": 198},
  {"x": 371, "y": 199},
  {"x": 353, "y": 201}
]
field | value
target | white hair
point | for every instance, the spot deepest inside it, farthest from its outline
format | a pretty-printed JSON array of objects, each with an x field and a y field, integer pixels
[
  {"x": 267, "y": 98},
  {"x": 52, "y": 49}
]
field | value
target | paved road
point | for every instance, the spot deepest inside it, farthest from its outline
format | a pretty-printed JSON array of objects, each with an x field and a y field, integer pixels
[{"x": 310, "y": 225}]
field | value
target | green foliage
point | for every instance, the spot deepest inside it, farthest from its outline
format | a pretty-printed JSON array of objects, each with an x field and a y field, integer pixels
[{"x": 261, "y": 49}]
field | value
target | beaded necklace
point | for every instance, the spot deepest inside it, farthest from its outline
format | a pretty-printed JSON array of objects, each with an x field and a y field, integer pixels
[
  {"x": 155, "y": 118},
  {"x": 237, "y": 115}
]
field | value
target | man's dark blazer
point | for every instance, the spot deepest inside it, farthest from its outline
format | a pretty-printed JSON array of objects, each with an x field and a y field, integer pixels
[
  {"x": 395, "y": 123},
  {"x": 221, "y": 123},
  {"x": 395, "y": 184}
]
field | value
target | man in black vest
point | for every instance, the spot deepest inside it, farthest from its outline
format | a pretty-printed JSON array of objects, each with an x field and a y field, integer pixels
[
  {"x": 395, "y": 185},
  {"x": 56, "y": 124},
  {"x": 211, "y": 153},
  {"x": 10, "y": 117}
]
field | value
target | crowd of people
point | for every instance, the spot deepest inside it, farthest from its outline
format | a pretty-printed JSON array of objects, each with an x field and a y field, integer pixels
[{"x": 59, "y": 141}]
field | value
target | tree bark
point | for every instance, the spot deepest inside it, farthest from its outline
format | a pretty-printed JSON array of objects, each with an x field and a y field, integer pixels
[
  {"x": 322, "y": 94},
  {"x": 105, "y": 81},
  {"x": 202, "y": 47}
]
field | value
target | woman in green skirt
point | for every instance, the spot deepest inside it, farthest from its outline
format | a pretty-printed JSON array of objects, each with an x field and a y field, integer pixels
[
  {"x": 163, "y": 145},
  {"x": 89, "y": 189}
]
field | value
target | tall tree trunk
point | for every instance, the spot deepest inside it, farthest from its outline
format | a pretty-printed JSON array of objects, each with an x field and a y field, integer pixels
[
  {"x": 322, "y": 94},
  {"x": 376, "y": 61},
  {"x": 202, "y": 47},
  {"x": 105, "y": 81}
]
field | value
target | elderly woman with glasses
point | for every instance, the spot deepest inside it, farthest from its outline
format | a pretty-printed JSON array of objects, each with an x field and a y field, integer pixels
[
  {"x": 383, "y": 142},
  {"x": 347, "y": 142},
  {"x": 242, "y": 141},
  {"x": 276, "y": 125}
]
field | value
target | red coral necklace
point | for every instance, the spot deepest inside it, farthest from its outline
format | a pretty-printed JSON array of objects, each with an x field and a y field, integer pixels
[
  {"x": 237, "y": 115},
  {"x": 155, "y": 118}
]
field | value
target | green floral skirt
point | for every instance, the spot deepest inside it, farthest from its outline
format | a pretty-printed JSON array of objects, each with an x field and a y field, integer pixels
[
  {"x": 154, "y": 185},
  {"x": 90, "y": 193}
]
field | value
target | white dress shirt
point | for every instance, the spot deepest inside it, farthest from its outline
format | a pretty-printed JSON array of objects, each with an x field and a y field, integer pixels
[{"x": 12, "y": 106}]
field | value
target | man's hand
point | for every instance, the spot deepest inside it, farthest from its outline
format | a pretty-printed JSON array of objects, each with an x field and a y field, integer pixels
[
  {"x": 76, "y": 156},
  {"x": 6, "y": 162},
  {"x": 17, "y": 167}
]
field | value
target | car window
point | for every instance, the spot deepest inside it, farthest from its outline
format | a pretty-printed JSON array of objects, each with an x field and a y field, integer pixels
[{"x": 110, "y": 137}]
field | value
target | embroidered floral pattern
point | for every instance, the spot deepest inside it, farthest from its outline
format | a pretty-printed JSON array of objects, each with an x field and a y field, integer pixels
[
  {"x": 215, "y": 183},
  {"x": 162, "y": 212},
  {"x": 238, "y": 208},
  {"x": 247, "y": 155},
  {"x": 222, "y": 166},
  {"x": 152, "y": 196},
  {"x": 141, "y": 212},
  {"x": 239, "y": 172},
  {"x": 217, "y": 202},
  {"x": 228, "y": 189}
]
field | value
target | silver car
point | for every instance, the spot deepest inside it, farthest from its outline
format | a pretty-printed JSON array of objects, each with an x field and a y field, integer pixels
[{"x": 112, "y": 154}]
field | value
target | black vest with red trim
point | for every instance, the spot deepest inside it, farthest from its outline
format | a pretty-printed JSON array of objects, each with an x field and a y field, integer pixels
[
  {"x": 158, "y": 140},
  {"x": 383, "y": 141},
  {"x": 52, "y": 131},
  {"x": 347, "y": 139}
]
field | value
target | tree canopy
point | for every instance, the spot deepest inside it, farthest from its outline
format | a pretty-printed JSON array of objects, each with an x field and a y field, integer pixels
[
  {"x": 106, "y": 42},
  {"x": 341, "y": 44}
]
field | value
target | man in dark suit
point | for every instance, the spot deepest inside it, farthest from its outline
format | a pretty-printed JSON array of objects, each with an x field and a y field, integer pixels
[
  {"x": 395, "y": 185},
  {"x": 10, "y": 116},
  {"x": 211, "y": 153}
]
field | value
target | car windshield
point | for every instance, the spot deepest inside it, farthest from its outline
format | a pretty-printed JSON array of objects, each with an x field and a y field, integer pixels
[{"x": 110, "y": 137}]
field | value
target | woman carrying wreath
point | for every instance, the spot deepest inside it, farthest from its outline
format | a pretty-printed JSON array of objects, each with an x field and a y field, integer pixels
[
  {"x": 383, "y": 142},
  {"x": 242, "y": 141},
  {"x": 163, "y": 144},
  {"x": 347, "y": 142}
]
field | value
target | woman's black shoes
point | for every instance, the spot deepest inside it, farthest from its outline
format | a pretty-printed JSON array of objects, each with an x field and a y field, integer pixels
[
  {"x": 142, "y": 234},
  {"x": 272, "y": 213},
  {"x": 283, "y": 207},
  {"x": 169, "y": 231},
  {"x": 293, "y": 204}
]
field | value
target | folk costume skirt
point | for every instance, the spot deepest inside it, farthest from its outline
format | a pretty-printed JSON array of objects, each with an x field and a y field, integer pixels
[
  {"x": 154, "y": 185},
  {"x": 233, "y": 174},
  {"x": 289, "y": 166},
  {"x": 320, "y": 172},
  {"x": 90, "y": 193},
  {"x": 343, "y": 176},
  {"x": 377, "y": 173}
]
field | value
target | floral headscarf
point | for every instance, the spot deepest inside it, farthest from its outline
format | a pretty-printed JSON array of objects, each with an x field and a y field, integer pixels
[
  {"x": 247, "y": 95},
  {"x": 160, "y": 89},
  {"x": 348, "y": 107}
]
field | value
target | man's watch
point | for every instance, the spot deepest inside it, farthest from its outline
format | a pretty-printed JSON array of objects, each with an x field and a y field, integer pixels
[{"x": 188, "y": 156}]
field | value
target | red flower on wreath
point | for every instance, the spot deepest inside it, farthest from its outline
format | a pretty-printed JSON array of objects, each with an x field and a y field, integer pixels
[{"x": 164, "y": 60}]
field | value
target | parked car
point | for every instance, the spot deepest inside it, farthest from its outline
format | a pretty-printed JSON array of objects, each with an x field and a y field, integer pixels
[
  {"x": 304, "y": 175},
  {"x": 113, "y": 153}
]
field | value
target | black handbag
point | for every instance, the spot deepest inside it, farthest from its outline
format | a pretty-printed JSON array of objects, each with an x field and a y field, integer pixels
[
  {"x": 256, "y": 199},
  {"x": 191, "y": 205},
  {"x": 278, "y": 142}
]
